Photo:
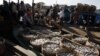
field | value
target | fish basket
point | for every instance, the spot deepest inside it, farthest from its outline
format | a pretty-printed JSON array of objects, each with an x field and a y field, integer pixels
[
  {"x": 80, "y": 40},
  {"x": 49, "y": 49},
  {"x": 92, "y": 44},
  {"x": 37, "y": 43},
  {"x": 80, "y": 49},
  {"x": 66, "y": 43},
  {"x": 86, "y": 51},
  {"x": 77, "y": 39},
  {"x": 65, "y": 52},
  {"x": 56, "y": 39}
]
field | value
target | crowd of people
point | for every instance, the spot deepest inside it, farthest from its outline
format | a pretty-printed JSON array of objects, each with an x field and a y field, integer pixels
[
  {"x": 20, "y": 13},
  {"x": 12, "y": 14},
  {"x": 82, "y": 14}
]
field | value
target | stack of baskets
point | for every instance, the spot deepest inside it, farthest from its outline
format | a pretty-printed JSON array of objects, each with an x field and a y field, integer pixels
[
  {"x": 92, "y": 9},
  {"x": 79, "y": 7},
  {"x": 85, "y": 8}
]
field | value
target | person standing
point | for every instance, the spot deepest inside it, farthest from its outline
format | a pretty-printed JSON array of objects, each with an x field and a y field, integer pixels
[
  {"x": 27, "y": 18},
  {"x": 61, "y": 16},
  {"x": 22, "y": 8},
  {"x": 66, "y": 14}
]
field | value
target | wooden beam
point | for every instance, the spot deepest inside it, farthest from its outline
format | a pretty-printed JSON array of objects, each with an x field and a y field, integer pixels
[
  {"x": 23, "y": 51},
  {"x": 18, "y": 1},
  {"x": 33, "y": 10}
]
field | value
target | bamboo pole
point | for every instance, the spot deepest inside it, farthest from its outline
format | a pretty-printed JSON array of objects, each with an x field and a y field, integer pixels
[
  {"x": 3, "y": 2},
  {"x": 18, "y": 1},
  {"x": 9, "y": 1},
  {"x": 33, "y": 8}
]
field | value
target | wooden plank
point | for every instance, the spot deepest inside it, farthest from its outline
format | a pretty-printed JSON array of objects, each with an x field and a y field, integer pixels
[
  {"x": 76, "y": 30},
  {"x": 96, "y": 34},
  {"x": 25, "y": 52},
  {"x": 92, "y": 37},
  {"x": 71, "y": 32}
]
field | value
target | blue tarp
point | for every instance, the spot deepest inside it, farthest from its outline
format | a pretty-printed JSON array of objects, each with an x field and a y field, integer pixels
[{"x": 97, "y": 18}]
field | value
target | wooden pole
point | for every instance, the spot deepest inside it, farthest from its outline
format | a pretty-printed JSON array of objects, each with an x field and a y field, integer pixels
[
  {"x": 33, "y": 8},
  {"x": 18, "y": 1},
  {"x": 18, "y": 4},
  {"x": 3, "y": 2},
  {"x": 9, "y": 1}
]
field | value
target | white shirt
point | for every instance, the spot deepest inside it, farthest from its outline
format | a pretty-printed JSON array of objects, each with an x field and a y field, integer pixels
[
  {"x": 61, "y": 13},
  {"x": 50, "y": 12}
]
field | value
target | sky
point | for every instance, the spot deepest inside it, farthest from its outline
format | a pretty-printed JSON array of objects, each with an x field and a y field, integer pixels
[{"x": 67, "y": 2}]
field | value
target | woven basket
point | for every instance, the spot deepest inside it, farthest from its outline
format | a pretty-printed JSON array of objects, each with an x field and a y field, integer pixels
[
  {"x": 92, "y": 45},
  {"x": 76, "y": 46},
  {"x": 66, "y": 43},
  {"x": 65, "y": 52},
  {"x": 80, "y": 40},
  {"x": 86, "y": 8},
  {"x": 79, "y": 7},
  {"x": 55, "y": 40},
  {"x": 75, "y": 39},
  {"x": 86, "y": 51},
  {"x": 92, "y": 9},
  {"x": 37, "y": 43},
  {"x": 51, "y": 51}
]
